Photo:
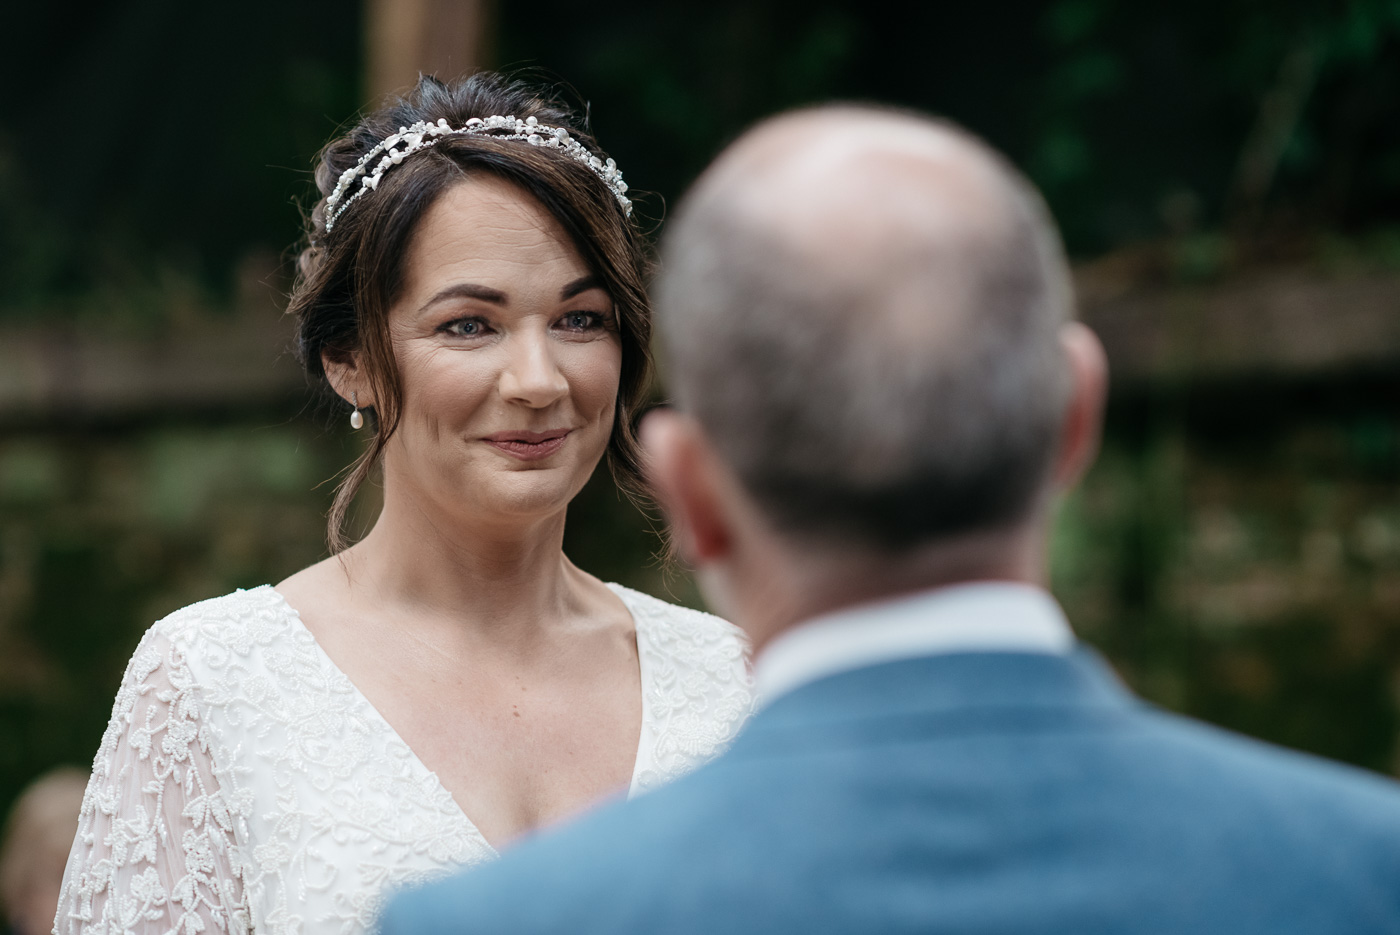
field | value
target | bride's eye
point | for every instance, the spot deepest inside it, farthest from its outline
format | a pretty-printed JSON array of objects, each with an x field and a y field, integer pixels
[
  {"x": 582, "y": 321},
  {"x": 465, "y": 328}
]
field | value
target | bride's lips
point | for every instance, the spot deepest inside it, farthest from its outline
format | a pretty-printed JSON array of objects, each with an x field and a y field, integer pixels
[{"x": 528, "y": 446}]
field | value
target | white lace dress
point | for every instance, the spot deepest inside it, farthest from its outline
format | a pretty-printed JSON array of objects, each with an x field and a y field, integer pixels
[{"x": 244, "y": 784}]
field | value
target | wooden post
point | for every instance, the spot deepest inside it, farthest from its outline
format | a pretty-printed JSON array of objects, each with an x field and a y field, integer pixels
[{"x": 447, "y": 38}]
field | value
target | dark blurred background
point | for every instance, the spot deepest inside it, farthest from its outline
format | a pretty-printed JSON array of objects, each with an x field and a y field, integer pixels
[{"x": 1227, "y": 175}]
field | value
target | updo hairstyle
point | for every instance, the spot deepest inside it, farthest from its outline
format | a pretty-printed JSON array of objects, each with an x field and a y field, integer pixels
[{"x": 349, "y": 278}]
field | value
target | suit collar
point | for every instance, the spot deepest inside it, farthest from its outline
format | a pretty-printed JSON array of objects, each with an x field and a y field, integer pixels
[{"x": 976, "y": 685}]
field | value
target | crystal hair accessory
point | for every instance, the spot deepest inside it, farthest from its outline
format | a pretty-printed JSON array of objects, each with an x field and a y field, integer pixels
[{"x": 392, "y": 150}]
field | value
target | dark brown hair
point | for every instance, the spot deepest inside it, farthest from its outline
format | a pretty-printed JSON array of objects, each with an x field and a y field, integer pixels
[{"x": 349, "y": 278}]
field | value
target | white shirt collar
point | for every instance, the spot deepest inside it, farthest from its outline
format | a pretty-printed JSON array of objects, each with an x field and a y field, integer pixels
[{"x": 980, "y": 617}]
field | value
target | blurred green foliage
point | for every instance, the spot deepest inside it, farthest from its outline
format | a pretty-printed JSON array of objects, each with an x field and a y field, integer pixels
[
  {"x": 1236, "y": 553},
  {"x": 1135, "y": 118},
  {"x": 151, "y": 142},
  {"x": 148, "y": 143}
]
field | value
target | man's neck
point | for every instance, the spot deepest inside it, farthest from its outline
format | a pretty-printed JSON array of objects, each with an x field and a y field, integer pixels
[{"x": 769, "y": 597}]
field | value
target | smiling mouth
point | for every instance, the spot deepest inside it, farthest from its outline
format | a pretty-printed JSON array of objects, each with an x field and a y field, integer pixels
[{"x": 528, "y": 446}]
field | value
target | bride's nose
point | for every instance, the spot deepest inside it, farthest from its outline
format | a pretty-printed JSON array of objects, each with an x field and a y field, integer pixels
[{"x": 531, "y": 375}]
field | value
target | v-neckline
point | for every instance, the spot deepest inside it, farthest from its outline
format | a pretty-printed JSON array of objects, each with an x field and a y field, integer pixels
[{"x": 643, "y": 674}]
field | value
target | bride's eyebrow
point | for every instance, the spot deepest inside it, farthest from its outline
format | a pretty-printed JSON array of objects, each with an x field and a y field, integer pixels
[
  {"x": 578, "y": 286},
  {"x": 466, "y": 290},
  {"x": 471, "y": 290}
]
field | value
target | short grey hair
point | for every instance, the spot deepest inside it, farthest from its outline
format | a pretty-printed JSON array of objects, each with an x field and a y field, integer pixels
[{"x": 917, "y": 399}]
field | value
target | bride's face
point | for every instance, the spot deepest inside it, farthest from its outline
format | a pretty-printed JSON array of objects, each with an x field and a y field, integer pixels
[{"x": 508, "y": 356}]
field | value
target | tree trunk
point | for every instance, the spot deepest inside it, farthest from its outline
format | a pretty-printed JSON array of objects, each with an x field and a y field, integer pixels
[{"x": 446, "y": 38}]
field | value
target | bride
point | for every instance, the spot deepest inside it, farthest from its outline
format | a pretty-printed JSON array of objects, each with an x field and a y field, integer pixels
[{"x": 276, "y": 758}]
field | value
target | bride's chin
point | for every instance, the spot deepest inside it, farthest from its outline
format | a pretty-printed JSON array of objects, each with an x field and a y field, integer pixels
[{"x": 519, "y": 495}]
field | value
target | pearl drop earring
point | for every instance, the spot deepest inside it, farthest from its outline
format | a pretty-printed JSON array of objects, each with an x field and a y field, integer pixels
[{"x": 357, "y": 421}]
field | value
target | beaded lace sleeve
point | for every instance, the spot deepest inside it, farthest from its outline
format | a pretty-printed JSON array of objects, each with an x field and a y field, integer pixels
[{"x": 155, "y": 851}]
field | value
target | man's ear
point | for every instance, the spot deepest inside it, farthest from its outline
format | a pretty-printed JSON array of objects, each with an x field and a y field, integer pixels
[
  {"x": 684, "y": 473},
  {"x": 1082, "y": 427},
  {"x": 346, "y": 378}
]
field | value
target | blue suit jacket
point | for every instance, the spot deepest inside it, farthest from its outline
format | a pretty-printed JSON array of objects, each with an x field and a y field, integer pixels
[{"x": 971, "y": 793}]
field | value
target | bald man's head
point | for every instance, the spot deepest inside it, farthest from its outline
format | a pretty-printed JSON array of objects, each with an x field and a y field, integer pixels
[
  {"x": 848, "y": 185},
  {"x": 862, "y": 308}
]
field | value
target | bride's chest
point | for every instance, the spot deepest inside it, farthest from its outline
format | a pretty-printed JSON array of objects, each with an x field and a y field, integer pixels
[
  {"x": 334, "y": 808},
  {"x": 517, "y": 753}
]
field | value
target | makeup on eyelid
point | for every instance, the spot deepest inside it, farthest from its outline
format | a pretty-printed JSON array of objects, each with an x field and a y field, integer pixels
[{"x": 596, "y": 321}]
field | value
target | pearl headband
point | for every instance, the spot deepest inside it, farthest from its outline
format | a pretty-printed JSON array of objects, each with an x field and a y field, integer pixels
[{"x": 423, "y": 134}]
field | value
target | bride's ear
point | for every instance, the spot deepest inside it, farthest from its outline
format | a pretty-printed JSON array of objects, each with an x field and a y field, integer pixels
[
  {"x": 346, "y": 377},
  {"x": 683, "y": 472}
]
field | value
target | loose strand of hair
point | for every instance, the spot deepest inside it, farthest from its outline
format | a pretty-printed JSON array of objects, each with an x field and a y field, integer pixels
[{"x": 336, "y": 539}]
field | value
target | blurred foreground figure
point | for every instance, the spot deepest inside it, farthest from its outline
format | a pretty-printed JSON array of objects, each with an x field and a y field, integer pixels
[
  {"x": 881, "y": 390},
  {"x": 38, "y": 834}
]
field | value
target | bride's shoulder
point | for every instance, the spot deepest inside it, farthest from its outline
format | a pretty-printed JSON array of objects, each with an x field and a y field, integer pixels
[
  {"x": 239, "y": 618},
  {"x": 199, "y": 643},
  {"x": 697, "y": 684},
  {"x": 684, "y": 629}
]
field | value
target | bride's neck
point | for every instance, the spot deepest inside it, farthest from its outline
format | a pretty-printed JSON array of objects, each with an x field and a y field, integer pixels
[{"x": 490, "y": 571}]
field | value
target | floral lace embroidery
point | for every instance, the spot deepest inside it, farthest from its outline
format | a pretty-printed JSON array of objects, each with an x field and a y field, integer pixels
[
  {"x": 244, "y": 785},
  {"x": 153, "y": 799},
  {"x": 698, "y": 690}
]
